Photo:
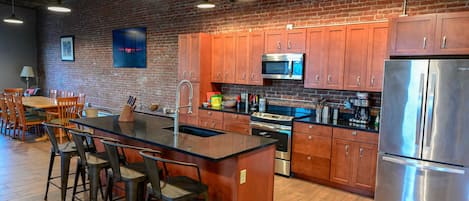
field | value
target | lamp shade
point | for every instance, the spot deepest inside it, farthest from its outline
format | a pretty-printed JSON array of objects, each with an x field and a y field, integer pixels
[{"x": 27, "y": 71}]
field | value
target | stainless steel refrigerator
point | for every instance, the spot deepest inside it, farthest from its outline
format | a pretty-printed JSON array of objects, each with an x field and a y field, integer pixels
[{"x": 424, "y": 133}]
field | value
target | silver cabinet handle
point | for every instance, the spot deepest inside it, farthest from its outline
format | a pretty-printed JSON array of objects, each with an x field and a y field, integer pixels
[
  {"x": 358, "y": 80},
  {"x": 252, "y": 76},
  {"x": 424, "y": 42},
  {"x": 354, "y": 133},
  {"x": 346, "y": 149},
  {"x": 226, "y": 76},
  {"x": 372, "y": 80},
  {"x": 310, "y": 137},
  {"x": 310, "y": 126},
  {"x": 213, "y": 124},
  {"x": 308, "y": 158},
  {"x": 279, "y": 45},
  {"x": 443, "y": 44},
  {"x": 329, "y": 77},
  {"x": 419, "y": 110},
  {"x": 190, "y": 75},
  {"x": 317, "y": 77},
  {"x": 423, "y": 166},
  {"x": 289, "y": 44},
  {"x": 361, "y": 152},
  {"x": 244, "y": 76},
  {"x": 209, "y": 113},
  {"x": 184, "y": 75}
]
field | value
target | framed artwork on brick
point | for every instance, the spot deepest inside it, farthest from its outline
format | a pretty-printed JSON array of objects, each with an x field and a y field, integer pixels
[
  {"x": 129, "y": 47},
  {"x": 67, "y": 51}
]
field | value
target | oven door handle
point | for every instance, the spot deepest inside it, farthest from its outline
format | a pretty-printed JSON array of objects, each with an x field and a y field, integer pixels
[{"x": 267, "y": 128}]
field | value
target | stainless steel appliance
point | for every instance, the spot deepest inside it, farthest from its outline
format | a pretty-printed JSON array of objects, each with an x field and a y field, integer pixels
[
  {"x": 424, "y": 134},
  {"x": 283, "y": 66},
  {"x": 277, "y": 123}
]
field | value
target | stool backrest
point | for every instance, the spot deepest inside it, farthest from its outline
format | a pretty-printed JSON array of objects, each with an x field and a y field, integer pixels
[
  {"x": 84, "y": 142},
  {"x": 66, "y": 107},
  {"x": 53, "y": 93},
  {"x": 50, "y": 130}
]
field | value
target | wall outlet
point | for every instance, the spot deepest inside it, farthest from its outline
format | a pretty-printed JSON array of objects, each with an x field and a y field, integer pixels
[{"x": 242, "y": 176}]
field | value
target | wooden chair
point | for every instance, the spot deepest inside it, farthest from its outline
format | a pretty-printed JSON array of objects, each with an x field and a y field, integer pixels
[
  {"x": 12, "y": 117},
  {"x": 53, "y": 93},
  {"x": 15, "y": 91},
  {"x": 80, "y": 104},
  {"x": 66, "y": 94},
  {"x": 24, "y": 122},
  {"x": 172, "y": 188},
  {"x": 3, "y": 114},
  {"x": 66, "y": 109}
]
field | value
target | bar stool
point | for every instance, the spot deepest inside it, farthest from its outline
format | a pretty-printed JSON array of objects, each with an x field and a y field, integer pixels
[
  {"x": 173, "y": 187},
  {"x": 66, "y": 151},
  {"x": 133, "y": 174},
  {"x": 92, "y": 162}
]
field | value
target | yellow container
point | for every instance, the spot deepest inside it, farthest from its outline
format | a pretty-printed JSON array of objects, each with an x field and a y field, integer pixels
[{"x": 215, "y": 100}]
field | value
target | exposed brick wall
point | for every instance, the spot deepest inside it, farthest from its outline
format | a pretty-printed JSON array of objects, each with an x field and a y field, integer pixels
[{"x": 92, "y": 23}]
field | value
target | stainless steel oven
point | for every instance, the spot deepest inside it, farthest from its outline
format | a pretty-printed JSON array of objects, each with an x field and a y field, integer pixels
[{"x": 277, "y": 127}]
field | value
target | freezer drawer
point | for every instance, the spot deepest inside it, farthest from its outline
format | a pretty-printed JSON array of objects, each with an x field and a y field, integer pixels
[{"x": 414, "y": 180}]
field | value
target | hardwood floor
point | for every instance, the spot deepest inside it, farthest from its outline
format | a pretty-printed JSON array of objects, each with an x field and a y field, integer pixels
[{"x": 23, "y": 172}]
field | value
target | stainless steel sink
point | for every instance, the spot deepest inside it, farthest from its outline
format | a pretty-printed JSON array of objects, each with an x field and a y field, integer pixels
[{"x": 196, "y": 131}]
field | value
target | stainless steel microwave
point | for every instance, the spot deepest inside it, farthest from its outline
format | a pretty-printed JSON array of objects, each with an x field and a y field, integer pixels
[{"x": 289, "y": 66}]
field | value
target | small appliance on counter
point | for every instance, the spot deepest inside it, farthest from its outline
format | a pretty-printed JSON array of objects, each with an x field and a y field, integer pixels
[{"x": 361, "y": 109}]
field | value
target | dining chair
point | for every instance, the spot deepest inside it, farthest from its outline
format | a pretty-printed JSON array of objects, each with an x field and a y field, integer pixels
[
  {"x": 80, "y": 104},
  {"x": 66, "y": 93},
  {"x": 171, "y": 188},
  {"x": 66, "y": 110},
  {"x": 3, "y": 114},
  {"x": 15, "y": 91},
  {"x": 53, "y": 93},
  {"x": 24, "y": 122},
  {"x": 12, "y": 117}
]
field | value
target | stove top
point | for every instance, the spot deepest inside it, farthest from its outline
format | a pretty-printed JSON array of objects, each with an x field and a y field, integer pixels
[{"x": 294, "y": 112}]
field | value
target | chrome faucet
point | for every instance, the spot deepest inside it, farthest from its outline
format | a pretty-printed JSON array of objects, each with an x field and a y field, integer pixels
[{"x": 178, "y": 101}]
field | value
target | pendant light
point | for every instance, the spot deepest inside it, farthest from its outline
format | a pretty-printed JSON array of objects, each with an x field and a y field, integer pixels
[
  {"x": 205, "y": 4},
  {"x": 13, "y": 19},
  {"x": 59, "y": 8}
]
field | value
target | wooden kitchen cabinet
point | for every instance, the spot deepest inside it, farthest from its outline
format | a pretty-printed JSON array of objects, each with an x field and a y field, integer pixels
[
  {"x": 211, "y": 119},
  {"x": 193, "y": 56},
  {"x": 217, "y": 58},
  {"x": 452, "y": 31},
  {"x": 314, "y": 67},
  {"x": 334, "y": 57},
  {"x": 285, "y": 41},
  {"x": 242, "y": 58},
  {"x": 311, "y": 152},
  {"x": 377, "y": 53},
  {"x": 223, "y": 58},
  {"x": 353, "y": 161},
  {"x": 256, "y": 50},
  {"x": 236, "y": 123},
  {"x": 356, "y": 56}
]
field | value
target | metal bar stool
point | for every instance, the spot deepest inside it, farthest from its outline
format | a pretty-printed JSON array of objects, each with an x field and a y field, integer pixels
[
  {"x": 132, "y": 174},
  {"x": 66, "y": 151},
  {"x": 173, "y": 188}
]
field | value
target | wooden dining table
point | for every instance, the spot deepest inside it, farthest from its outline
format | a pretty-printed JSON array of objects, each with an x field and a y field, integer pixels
[{"x": 40, "y": 102}]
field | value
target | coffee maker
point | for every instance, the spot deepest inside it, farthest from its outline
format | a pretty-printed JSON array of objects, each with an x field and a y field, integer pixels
[{"x": 361, "y": 109}]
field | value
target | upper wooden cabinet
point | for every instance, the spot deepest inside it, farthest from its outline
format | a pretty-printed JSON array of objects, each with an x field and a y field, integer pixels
[
  {"x": 194, "y": 56},
  {"x": 218, "y": 50},
  {"x": 334, "y": 57},
  {"x": 256, "y": 50},
  {"x": 434, "y": 34},
  {"x": 291, "y": 41},
  {"x": 314, "y": 70},
  {"x": 224, "y": 58},
  {"x": 242, "y": 58},
  {"x": 364, "y": 56}
]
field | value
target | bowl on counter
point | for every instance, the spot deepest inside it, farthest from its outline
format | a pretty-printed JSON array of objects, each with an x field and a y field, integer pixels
[{"x": 229, "y": 103}]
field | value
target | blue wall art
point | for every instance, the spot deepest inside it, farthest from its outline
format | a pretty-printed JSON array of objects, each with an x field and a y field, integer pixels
[{"x": 129, "y": 47}]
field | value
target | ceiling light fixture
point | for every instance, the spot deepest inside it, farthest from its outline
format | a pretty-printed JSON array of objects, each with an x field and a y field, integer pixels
[
  {"x": 13, "y": 19},
  {"x": 59, "y": 8},
  {"x": 205, "y": 4}
]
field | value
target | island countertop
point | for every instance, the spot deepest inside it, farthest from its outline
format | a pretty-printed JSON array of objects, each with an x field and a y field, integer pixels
[{"x": 150, "y": 129}]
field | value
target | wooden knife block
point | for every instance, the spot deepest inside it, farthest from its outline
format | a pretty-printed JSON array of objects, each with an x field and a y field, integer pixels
[{"x": 127, "y": 115}]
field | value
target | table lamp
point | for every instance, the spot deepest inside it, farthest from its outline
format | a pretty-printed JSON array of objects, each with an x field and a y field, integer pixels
[{"x": 27, "y": 72}]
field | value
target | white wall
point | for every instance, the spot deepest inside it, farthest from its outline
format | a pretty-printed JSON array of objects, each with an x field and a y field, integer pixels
[{"x": 17, "y": 46}]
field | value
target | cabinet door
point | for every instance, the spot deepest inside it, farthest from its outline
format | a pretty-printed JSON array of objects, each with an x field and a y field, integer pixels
[
  {"x": 377, "y": 47},
  {"x": 296, "y": 41},
  {"x": 194, "y": 71},
  {"x": 183, "y": 56},
  {"x": 335, "y": 53},
  {"x": 365, "y": 166},
  {"x": 242, "y": 58},
  {"x": 217, "y": 58},
  {"x": 412, "y": 35},
  {"x": 314, "y": 76},
  {"x": 341, "y": 162},
  {"x": 229, "y": 55},
  {"x": 273, "y": 41},
  {"x": 452, "y": 32},
  {"x": 185, "y": 117},
  {"x": 256, "y": 49},
  {"x": 356, "y": 56}
]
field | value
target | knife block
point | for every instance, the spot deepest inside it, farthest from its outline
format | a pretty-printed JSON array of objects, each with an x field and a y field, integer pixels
[{"x": 127, "y": 114}]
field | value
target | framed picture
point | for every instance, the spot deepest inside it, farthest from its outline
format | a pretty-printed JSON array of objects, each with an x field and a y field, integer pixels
[
  {"x": 129, "y": 47},
  {"x": 67, "y": 50}
]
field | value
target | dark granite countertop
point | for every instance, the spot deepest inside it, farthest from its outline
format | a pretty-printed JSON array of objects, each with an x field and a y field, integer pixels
[
  {"x": 229, "y": 110},
  {"x": 150, "y": 129},
  {"x": 341, "y": 124}
]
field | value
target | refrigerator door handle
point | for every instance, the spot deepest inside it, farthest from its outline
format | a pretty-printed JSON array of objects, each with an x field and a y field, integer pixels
[
  {"x": 418, "y": 133},
  {"x": 419, "y": 165},
  {"x": 430, "y": 107}
]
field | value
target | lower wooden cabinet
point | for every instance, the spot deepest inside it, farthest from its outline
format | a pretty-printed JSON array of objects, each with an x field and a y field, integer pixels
[
  {"x": 236, "y": 123},
  {"x": 210, "y": 119}
]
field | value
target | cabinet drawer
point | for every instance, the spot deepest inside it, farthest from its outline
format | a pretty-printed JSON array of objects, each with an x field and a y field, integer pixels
[
  {"x": 313, "y": 129},
  {"x": 317, "y": 146},
  {"x": 355, "y": 135},
  {"x": 237, "y": 118},
  {"x": 240, "y": 128},
  {"x": 211, "y": 114},
  {"x": 311, "y": 166},
  {"x": 209, "y": 123}
]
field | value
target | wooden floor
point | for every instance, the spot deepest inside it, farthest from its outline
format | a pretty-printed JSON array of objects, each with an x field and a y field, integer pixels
[{"x": 23, "y": 172}]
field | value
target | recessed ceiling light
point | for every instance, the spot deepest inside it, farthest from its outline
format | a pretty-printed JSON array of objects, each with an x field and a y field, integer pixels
[
  {"x": 205, "y": 4},
  {"x": 13, "y": 19}
]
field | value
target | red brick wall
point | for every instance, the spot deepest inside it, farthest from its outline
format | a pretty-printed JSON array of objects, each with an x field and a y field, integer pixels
[{"x": 92, "y": 23}]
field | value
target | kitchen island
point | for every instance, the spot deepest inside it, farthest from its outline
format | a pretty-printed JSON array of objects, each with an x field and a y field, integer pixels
[{"x": 234, "y": 166}]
